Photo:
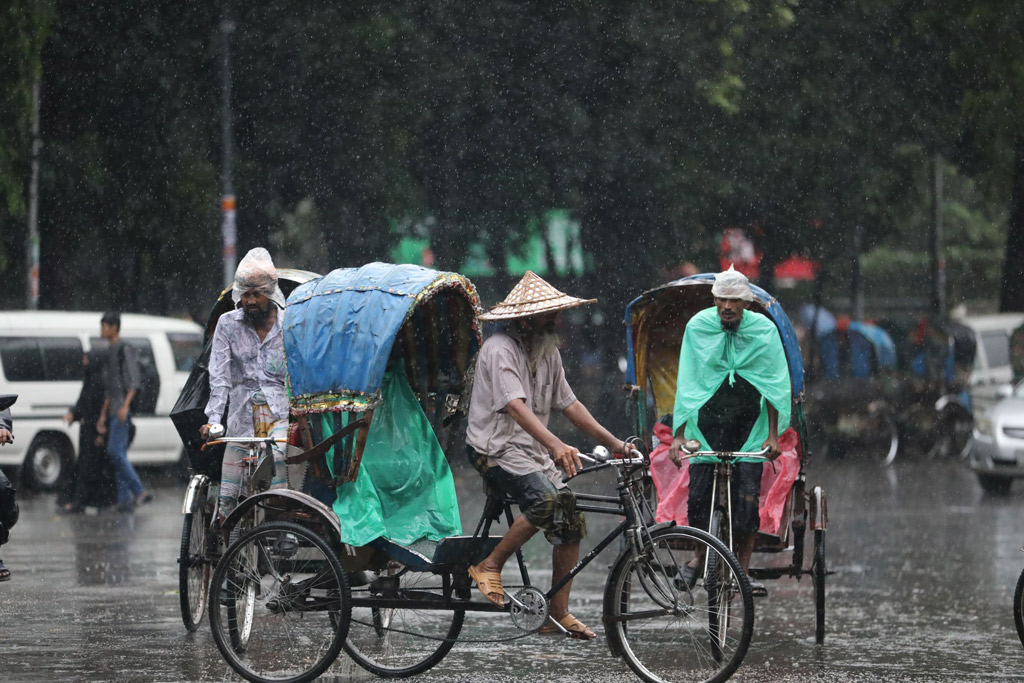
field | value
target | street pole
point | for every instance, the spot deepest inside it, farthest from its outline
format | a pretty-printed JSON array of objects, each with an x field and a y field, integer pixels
[
  {"x": 938, "y": 261},
  {"x": 856, "y": 280},
  {"x": 228, "y": 227},
  {"x": 32, "y": 244}
]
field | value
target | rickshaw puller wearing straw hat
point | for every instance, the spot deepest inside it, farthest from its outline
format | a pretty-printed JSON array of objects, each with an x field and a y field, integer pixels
[{"x": 519, "y": 381}]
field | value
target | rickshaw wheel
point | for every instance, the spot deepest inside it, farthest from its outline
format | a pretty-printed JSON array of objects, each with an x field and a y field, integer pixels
[
  {"x": 280, "y": 604},
  {"x": 395, "y": 642},
  {"x": 194, "y": 568},
  {"x": 662, "y": 626},
  {"x": 818, "y": 572},
  {"x": 1018, "y": 607},
  {"x": 718, "y": 612}
]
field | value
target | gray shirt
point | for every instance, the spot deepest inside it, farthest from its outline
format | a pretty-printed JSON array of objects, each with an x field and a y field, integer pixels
[
  {"x": 502, "y": 375},
  {"x": 5, "y": 420},
  {"x": 120, "y": 374},
  {"x": 240, "y": 366}
]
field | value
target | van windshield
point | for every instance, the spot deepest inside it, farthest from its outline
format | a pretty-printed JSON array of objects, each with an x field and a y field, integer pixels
[{"x": 997, "y": 348}]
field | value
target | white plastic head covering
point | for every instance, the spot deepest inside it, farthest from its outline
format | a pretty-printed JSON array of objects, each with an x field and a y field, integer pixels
[
  {"x": 731, "y": 284},
  {"x": 257, "y": 271}
]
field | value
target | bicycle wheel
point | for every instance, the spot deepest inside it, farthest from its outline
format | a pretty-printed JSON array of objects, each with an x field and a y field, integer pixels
[
  {"x": 279, "y": 604},
  {"x": 818, "y": 578},
  {"x": 1018, "y": 607},
  {"x": 390, "y": 635},
  {"x": 666, "y": 629},
  {"x": 194, "y": 568},
  {"x": 716, "y": 583}
]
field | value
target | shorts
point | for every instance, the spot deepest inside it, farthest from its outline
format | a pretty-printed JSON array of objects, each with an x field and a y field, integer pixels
[
  {"x": 746, "y": 493},
  {"x": 547, "y": 508}
]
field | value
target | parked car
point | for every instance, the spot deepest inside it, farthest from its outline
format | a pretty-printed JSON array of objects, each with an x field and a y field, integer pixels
[
  {"x": 41, "y": 361},
  {"x": 998, "y": 436},
  {"x": 997, "y": 450},
  {"x": 991, "y": 377}
]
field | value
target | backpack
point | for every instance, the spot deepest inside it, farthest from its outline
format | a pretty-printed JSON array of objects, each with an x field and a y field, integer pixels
[{"x": 145, "y": 399}]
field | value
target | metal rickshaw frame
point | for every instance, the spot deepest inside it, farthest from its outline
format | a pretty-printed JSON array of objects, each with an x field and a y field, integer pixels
[{"x": 655, "y": 322}]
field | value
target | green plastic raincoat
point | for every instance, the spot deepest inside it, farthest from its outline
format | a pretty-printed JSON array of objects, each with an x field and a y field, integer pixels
[
  {"x": 709, "y": 356},
  {"x": 404, "y": 491}
]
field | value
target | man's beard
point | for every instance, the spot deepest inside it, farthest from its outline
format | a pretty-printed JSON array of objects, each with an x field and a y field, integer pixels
[
  {"x": 730, "y": 326},
  {"x": 256, "y": 316},
  {"x": 542, "y": 343}
]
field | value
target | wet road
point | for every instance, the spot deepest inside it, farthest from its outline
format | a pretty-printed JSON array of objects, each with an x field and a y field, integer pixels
[{"x": 925, "y": 567}]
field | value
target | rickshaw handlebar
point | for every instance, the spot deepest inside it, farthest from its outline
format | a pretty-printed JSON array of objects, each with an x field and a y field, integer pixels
[
  {"x": 251, "y": 440},
  {"x": 725, "y": 455},
  {"x": 602, "y": 459},
  {"x": 600, "y": 454}
]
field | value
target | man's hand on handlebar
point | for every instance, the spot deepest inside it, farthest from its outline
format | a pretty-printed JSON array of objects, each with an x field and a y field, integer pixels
[
  {"x": 772, "y": 444},
  {"x": 211, "y": 431},
  {"x": 677, "y": 448},
  {"x": 568, "y": 458}
]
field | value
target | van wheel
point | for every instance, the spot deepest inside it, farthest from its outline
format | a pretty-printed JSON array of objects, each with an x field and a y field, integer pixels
[
  {"x": 46, "y": 464},
  {"x": 993, "y": 484}
]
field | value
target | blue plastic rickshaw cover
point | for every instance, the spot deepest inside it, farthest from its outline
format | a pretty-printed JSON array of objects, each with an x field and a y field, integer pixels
[{"x": 339, "y": 330}]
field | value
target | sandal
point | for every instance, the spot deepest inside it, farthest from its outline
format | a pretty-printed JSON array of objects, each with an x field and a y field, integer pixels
[
  {"x": 687, "y": 577},
  {"x": 489, "y": 584},
  {"x": 757, "y": 589},
  {"x": 576, "y": 628},
  {"x": 5, "y": 573}
]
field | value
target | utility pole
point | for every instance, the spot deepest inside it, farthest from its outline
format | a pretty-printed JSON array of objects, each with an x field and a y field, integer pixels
[
  {"x": 32, "y": 244},
  {"x": 228, "y": 227},
  {"x": 938, "y": 261},
  {"x": 856, "y": 280}
]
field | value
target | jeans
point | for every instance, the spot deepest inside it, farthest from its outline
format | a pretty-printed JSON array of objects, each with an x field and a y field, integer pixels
[{"x": 129, "y": 486}]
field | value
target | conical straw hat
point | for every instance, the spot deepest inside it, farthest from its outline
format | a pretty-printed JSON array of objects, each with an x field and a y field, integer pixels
[{"x": 532, "y": 296}]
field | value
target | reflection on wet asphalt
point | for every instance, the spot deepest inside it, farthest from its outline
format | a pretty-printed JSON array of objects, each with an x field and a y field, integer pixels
[{"x": 925, "y": 571}]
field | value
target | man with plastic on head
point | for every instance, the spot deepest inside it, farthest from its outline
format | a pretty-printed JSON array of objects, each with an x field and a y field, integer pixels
[
  {"x": 519, "y": 381},
  {"x": 247, "y": 372},
  {"x": 732, "y": 394}
]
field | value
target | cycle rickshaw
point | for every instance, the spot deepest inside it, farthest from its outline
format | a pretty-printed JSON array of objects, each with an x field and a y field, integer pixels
[
  {"x": 369, "y": 557},
  {"x": 201, "y": 543},
  {"x": 655, "y": 323}
]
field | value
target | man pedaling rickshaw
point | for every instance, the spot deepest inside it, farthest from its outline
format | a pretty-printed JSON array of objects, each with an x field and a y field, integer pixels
[
  {"x": 519, "y": 381},
  {"x": 247, "y": 372},
  {"x": 732, "y": 394}
]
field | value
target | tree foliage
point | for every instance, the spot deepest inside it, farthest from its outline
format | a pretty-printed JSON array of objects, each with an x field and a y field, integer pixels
[{"x": 657, "y": 123}]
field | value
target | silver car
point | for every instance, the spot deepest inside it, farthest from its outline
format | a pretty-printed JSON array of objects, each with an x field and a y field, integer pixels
[{"x": 997, "y": 448}]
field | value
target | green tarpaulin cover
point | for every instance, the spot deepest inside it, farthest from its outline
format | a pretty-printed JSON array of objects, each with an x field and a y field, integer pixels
[
  {"x": 709, "y": 357},
  {"x": 404, "y": 491}
]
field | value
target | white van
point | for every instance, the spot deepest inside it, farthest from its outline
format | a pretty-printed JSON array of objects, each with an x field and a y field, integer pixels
[{"x": 41, "y": 361}]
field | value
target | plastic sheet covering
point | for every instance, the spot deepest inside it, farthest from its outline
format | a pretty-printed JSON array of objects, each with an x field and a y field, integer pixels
[
  {"x": 673, "y": 484},
  {"x": 339, "y": 331},
  {"x": 656, "y": 320},
  {"x": 708, "y": 358},
  {"x": 189, "y": 414},
  {"x": 405, "y": 491}
]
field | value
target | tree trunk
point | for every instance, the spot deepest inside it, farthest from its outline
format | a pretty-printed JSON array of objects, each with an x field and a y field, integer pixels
[{"x": 1012, "y": 295}]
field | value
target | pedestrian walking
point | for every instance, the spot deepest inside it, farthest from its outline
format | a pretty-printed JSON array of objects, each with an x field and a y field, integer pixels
[
  {"x": 94, "y": 483},
  {"x": 122, "y": 379},
  {"x": 8, "y": 505}
]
